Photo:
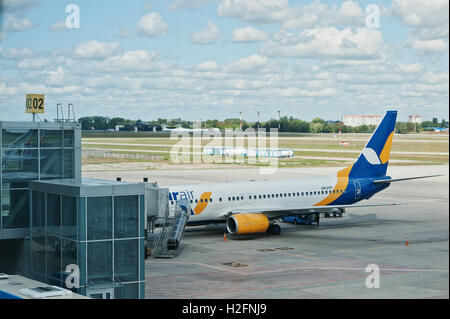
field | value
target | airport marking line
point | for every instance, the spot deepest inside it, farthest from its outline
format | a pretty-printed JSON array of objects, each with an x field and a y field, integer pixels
[{"x": 282, "y": 268}]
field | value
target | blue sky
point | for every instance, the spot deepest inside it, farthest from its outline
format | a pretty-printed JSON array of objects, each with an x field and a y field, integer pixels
[{"x": 205, "y": 59}]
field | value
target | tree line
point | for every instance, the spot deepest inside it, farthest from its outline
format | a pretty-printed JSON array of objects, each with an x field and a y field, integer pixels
[{"x": 285, "y": 124}]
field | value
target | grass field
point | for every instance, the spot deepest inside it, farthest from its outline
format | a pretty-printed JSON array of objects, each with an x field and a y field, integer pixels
[{"x": 310, "y": 150}]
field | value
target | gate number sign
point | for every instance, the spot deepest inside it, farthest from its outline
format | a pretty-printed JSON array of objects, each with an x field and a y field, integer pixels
[{"x": 34, "y": 103}]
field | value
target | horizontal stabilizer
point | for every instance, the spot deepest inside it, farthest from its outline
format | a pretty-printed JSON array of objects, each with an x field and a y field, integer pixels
[{"x": 384, "y": 181}]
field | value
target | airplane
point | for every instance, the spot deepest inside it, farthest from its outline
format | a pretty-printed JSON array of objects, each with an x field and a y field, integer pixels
[{"x": 250, "y": 207}]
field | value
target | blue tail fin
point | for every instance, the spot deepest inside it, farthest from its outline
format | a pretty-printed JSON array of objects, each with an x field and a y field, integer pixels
[{"x": 374, "y": 158}]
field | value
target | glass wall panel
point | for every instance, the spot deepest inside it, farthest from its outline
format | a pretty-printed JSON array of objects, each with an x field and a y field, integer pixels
[
  {"x": 99, "y": 262},
  {"x": 68, "y": 164},
  {"x": 51, "y": 138},
  {"x": 19, "y": 165},
  {"x": 126, "y": 215},
  {"x": 54, "y": 261},
  {"x": 126, "y": 260},
  {"x": 38, "y": 268},
  {"x": 53, "y": 214},
  {"x": 19, "y": 138},
  {"x": 127, "y": 291},
  {"x": 99, "y": 218},
  {"x": 38, "y": 212},
  {"x": 51, "y": 164},
  {"x": 69, "y": 138},
  {"x": 15, "y": 209},
  {"x": 69, "y": 217}
]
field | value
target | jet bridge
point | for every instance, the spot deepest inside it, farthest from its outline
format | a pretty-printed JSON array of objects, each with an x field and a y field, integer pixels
[{"x": 165, "y": 227}]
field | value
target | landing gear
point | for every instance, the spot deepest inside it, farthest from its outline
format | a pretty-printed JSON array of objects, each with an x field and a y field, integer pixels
[{"x": 274, "y": 229}]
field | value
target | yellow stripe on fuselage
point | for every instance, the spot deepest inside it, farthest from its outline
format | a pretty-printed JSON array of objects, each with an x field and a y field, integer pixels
[
  {"x": 342, "y": 182},
  {"x": 202, "y": 203}
]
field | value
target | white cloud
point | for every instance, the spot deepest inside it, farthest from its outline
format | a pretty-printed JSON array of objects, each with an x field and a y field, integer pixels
[
  {"x": 248, "y": 34},
  {"x": 97, "y": 50},
  {"x": 130, "y": 61},
  {"x": 16, "y": 24},
  {"x": 152, "y": 25},
  {"x": 58, "y": 26},
  {"x": 429, "y": 20},
  {"x": 19, "y": 6},
  {"x": 248, "y": 64},
  {"x": 350, "y": 43},
  {"x": 418, "y": 13},
  {"x": 186, "y": 4},
  {"x": 436, "y": 46},
  {"x": 206, "y": 36},
  {"x": 410, "y": 68},
  {"x": 259, "y": 11},
  {"x": 321, "y": 14}
]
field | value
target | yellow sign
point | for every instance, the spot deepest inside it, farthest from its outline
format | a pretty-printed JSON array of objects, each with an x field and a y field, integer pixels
[{"x": 34, "y": 103}]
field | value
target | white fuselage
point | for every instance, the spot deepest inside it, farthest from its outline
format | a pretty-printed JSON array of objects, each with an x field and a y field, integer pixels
[{"x": 213, "y": 201}]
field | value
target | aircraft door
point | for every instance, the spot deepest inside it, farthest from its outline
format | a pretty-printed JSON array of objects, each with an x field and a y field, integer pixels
[{"x": 357, "y": 190}]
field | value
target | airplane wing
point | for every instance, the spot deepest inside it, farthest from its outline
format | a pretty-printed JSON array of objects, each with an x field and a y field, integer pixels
[{"x": 274, "y": 213}]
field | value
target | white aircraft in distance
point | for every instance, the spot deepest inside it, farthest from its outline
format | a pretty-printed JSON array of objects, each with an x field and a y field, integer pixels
[{"x": 255, "y": 206}]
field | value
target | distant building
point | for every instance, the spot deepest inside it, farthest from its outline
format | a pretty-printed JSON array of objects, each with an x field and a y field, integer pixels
[
  {"x": 358, "y": 120},
  {"x": 415, "y": 119}
]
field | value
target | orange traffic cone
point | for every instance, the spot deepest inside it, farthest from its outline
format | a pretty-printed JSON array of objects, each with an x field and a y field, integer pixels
[
  {"x": 407, "y": 242},
  {"x": 224, "y": 236}
]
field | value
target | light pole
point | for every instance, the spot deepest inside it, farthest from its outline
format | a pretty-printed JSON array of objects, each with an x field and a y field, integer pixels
[
  {"x": 279, "y": 121},
  {"x": 258, "y": 119}
]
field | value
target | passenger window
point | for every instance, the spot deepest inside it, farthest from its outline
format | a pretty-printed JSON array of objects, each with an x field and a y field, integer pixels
[
  {"x": 233, "y": 198},
  {"x": 229, "y": 198},
  {"x": 259, "y": 196},
  {"x": 242, "y": 197},
  {"x": 201, "y": 200},
  {"x": 210, "y": 200},
  {"x": 285, "y": 195},
  {"x": 220, "y": 199},
  {"x": 303, "y": 194},
  {"x": 196, "y": 201},
  {"x": 254, "y": 197},
  {"x": 191, "y": 201}
]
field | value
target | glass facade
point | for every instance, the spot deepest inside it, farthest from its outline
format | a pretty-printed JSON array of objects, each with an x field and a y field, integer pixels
[
  {"x": 35, "y": 151},
  {"x": 101, "y": 235}
]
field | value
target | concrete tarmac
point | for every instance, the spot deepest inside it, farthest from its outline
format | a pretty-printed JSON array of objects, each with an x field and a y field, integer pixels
[{"x": 307, "y": 261}]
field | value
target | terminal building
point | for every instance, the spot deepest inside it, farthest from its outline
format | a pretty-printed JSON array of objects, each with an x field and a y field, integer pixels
[{"x": 54, "y": 224}]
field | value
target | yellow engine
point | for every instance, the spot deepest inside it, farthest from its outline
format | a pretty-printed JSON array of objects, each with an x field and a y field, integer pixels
[{"x": 247, "y": 224}]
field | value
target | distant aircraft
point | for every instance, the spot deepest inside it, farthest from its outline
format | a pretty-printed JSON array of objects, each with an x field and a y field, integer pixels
[{"x": 255, "y": 206}]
